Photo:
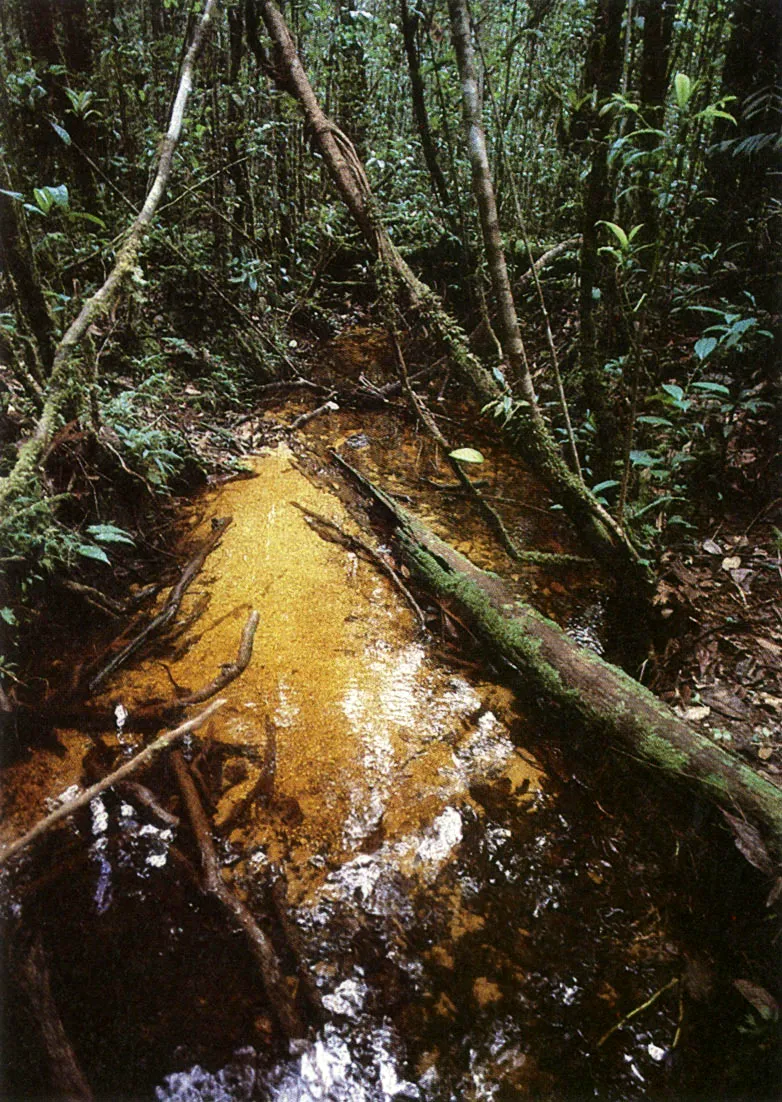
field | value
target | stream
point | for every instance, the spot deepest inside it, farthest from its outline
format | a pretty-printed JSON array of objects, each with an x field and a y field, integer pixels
[{"x": 473, "y": 920}]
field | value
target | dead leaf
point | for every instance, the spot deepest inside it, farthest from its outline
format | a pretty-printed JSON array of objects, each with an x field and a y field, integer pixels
[
  {"x": 765, "y": 752},
  {"x": 749, "y": 843},
  {"x": 697, "y": 712},
  {"x": 765, "y": 1004},
  {"x": 712, "y": 547},
  {"x": 731, "y": 563}
]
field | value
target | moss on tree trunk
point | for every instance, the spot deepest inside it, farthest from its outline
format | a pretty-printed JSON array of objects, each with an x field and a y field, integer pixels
[{"x": 585, "y": 688}]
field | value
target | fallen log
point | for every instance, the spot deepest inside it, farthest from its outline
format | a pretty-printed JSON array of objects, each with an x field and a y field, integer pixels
[{"x": 585, "y": 689}]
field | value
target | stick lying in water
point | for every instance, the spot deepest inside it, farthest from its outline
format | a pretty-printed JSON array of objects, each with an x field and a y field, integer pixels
[
  {"x": 143, "y": 758},
  {"x": 261, "y": 948},
  {"x": 170, "y": 608}
]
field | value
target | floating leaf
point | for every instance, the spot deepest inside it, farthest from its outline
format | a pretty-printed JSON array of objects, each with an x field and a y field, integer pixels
[{"x": 467, "y": 455}]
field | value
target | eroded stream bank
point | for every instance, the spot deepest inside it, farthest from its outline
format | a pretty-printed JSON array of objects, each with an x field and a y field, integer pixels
[{"x": 473, "y": 920}]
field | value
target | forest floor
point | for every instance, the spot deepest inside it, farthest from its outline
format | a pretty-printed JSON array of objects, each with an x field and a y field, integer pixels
[{"x": 718, "y": 659}]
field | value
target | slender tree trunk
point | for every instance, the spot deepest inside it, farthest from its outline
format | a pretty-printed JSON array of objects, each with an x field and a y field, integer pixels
[
  {"x": 17, "y": 260},
  {"x": 657, "y": 38},
  {"x": 526, "y": 432},
  {"x": 507, "y": 319},
  {"x": 602, "y": 77},
  {"x": 409, "y": 33}
]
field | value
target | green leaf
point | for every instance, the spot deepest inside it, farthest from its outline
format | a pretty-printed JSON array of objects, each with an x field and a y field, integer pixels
[
  {"x": 61, "y": 132},
  {"x": 645, "y": 419},
  {"x": 85, "y": 217},
  {"x": 605, "y": 485},
  {"x": 7, "y": 614},
  {"x": 58, "y": 195},
  {"x": 617, "y": 231},
  {"x": 43, "y": 199},
  {"x": 674, "y": 391},
  {"x": 642, "y": 459},
  {"x": 682, "y": 86},
  {"x": 712, "y": 388},
  {"x": 705, "y": 346},
  {"x": 467, "y": 455},
  {"x": 109, "y": 533},
  {"x": 90, "y": 551},
  {"x": 11, "y": 194}
]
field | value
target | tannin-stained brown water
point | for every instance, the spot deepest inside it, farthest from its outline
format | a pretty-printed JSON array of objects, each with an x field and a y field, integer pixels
[{"x": 474, "y": 925}]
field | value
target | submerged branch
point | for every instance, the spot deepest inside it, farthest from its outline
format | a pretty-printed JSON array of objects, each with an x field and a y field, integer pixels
[{"x": 163, "y": 742}]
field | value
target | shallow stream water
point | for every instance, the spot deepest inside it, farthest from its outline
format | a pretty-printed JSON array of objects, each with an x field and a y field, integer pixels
[{"x": 473, "y": 923}]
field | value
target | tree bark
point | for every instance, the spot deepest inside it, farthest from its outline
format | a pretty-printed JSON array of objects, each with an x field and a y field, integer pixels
[
  {"x": 483, "y": 189},
  {"x": 581, "y": 686},
  {"x": 61, "y": 382},
  {"x": 525, "y": 432},
  {"x": 602, "y": 77},
  {"x": 409, "y": 28},
  {"x": 17, "y": 260}
]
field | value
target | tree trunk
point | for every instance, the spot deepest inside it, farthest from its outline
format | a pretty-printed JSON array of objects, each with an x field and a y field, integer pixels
[
  {"x": 525, "y": 431},
  {"x": 409, "y": 29},
  {"x": 657, "y": 38},
  {"x": 582, "y": 687},
  {"x": 508, "y": 322},
  {"x": 17, "y": 260},
  {"x": 602, "y": 78}
]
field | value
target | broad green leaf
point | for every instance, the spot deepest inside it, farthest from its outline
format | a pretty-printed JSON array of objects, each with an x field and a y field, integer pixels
[
  {"x": 642, "y": 459},
  {"x": 617, "y": 231},
  {"x": 85, "y": 217},
  {"x": 705, "y": 346},
  {"x": 7, "y": 614},
  {"x": 90, "y": 551},
  {"x": 43, "y": 199},
  {"x": 61, "y": 132},
  {"x": 109, "y": 533},
  {"x": 467, "y": 455},
  {"x": 11, "y": 194},
  {"x": 712, "y": 388},
  {"x": 605, "y": 485},
  {"x": 674, "y": 391},
  {"x": 58, "y": 195},
  {"x": 683, "y": 88},
  {"x": 645, "y": 419}
]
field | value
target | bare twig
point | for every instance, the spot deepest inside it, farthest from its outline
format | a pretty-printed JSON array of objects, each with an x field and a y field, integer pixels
[
  {"x": 328, "y": 407},
  {"x": 644, "y": 1006},
  {"x": 141, "y": 759},
  {"x": 328, "y": 530}
]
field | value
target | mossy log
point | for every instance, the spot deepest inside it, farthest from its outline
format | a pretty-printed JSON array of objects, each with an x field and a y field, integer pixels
[{"x": 584, "y": 688}]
